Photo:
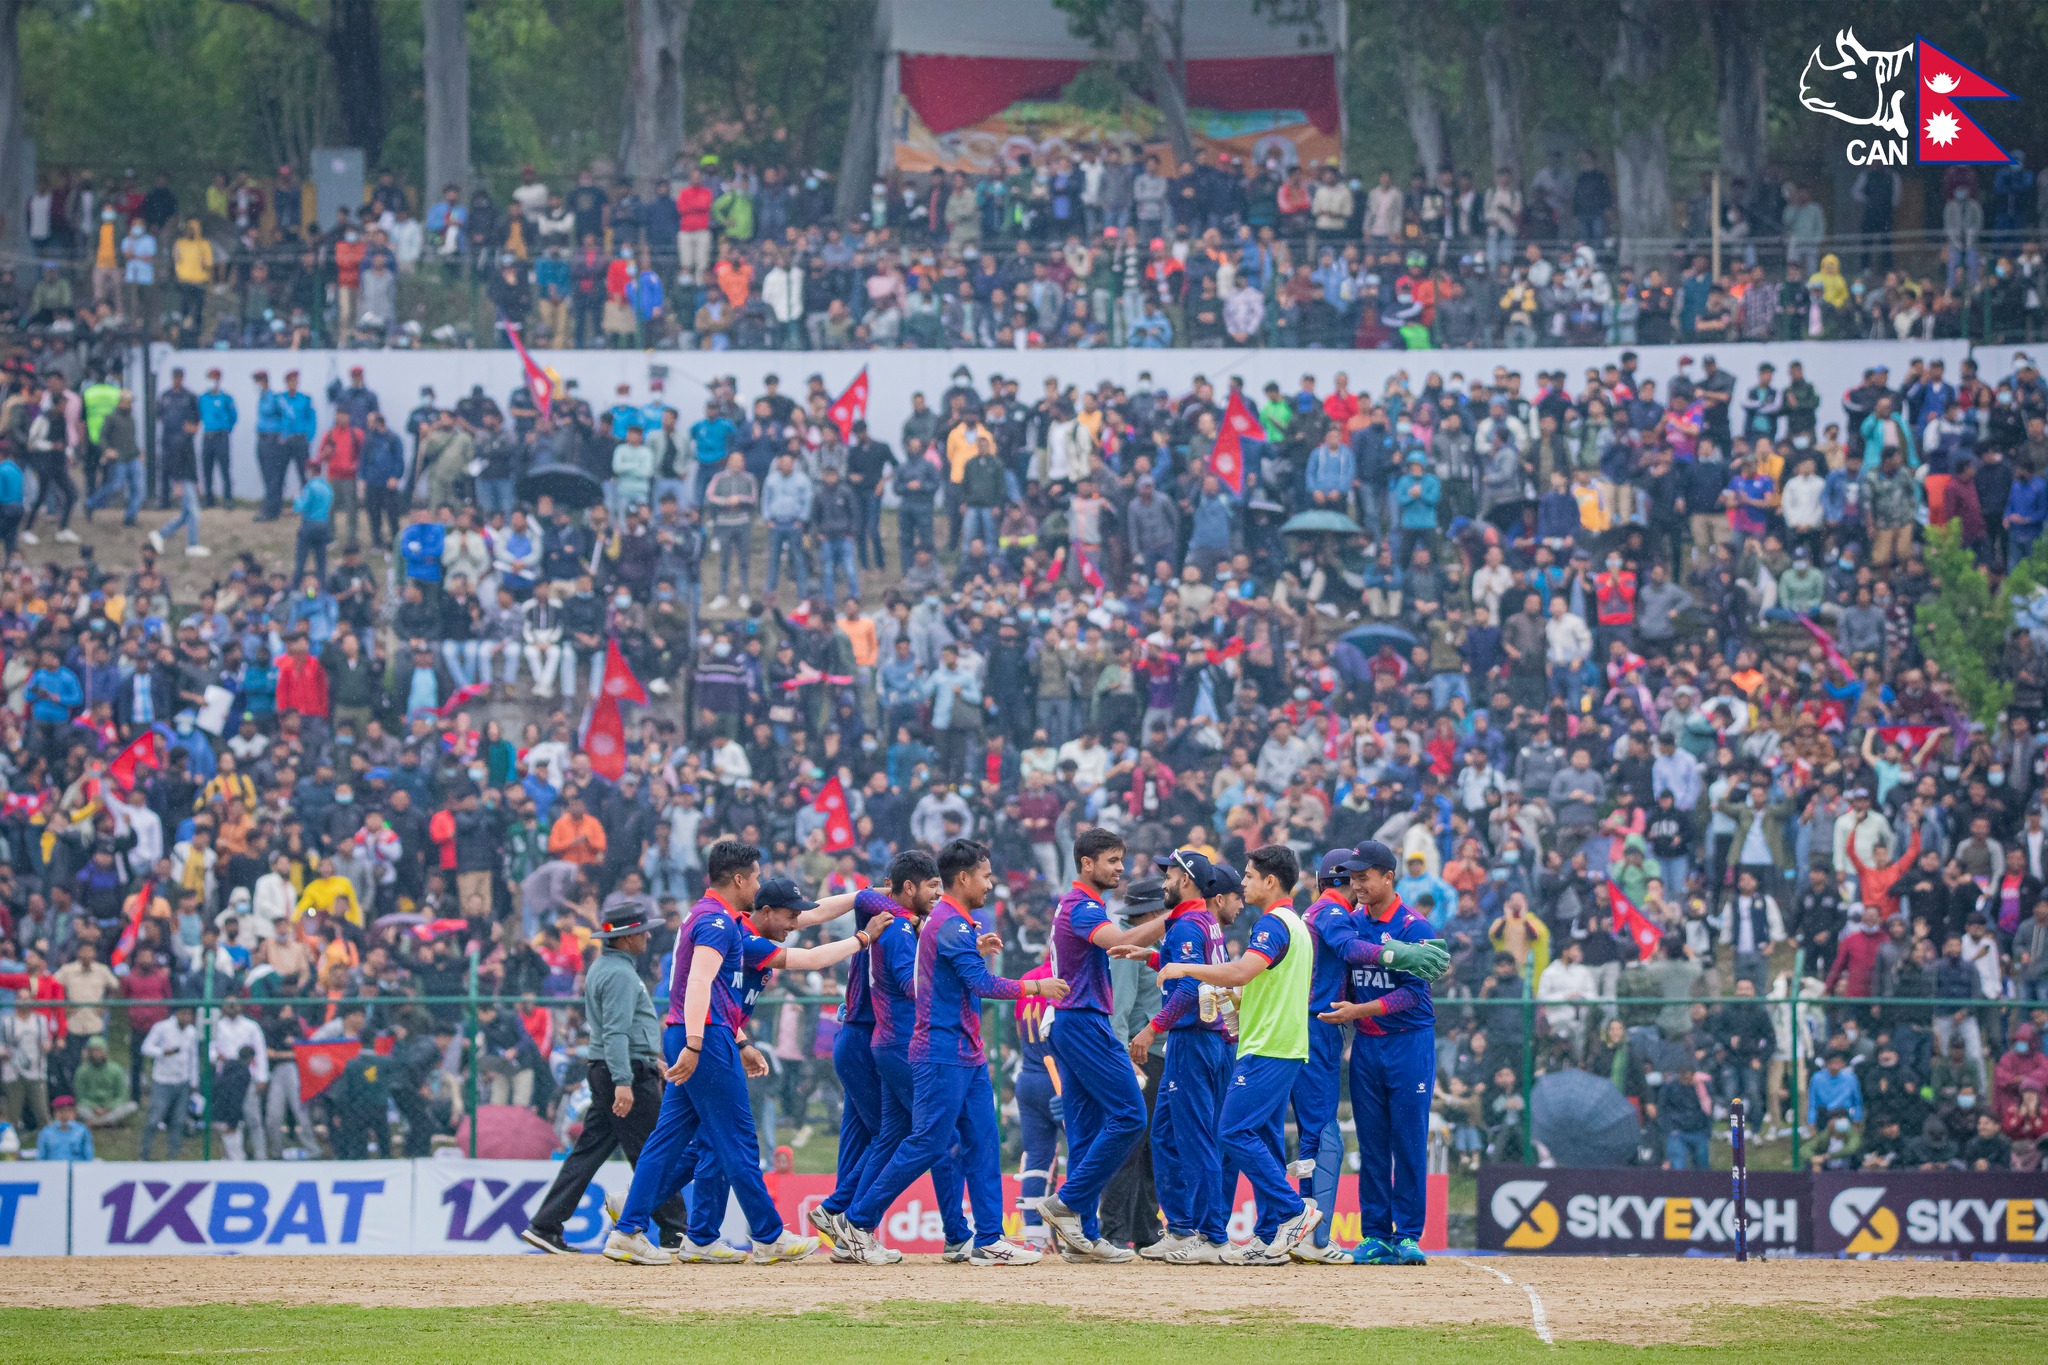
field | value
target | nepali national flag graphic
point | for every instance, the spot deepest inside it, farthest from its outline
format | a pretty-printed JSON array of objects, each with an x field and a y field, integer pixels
[
  {"x": 321, "y": 1064},
  {"x": 851, "y": 406},
  {"x": 1240, "y": 424},
  {"x": 1907, "y": 737},
  {"x": 1086, "y": 563},
  {"x": 1633, "y": 922},
  {"x": 831, "y": 801},
  {"x": 1944, "y": 132},
  {"x": 124, "y": 948}
]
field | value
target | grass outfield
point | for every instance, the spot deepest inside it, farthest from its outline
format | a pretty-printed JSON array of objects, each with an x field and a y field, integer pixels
[{"x": 1905, "y": 1330}]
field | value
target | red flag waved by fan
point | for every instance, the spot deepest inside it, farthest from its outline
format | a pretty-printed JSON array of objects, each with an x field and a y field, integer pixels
[
  {"x": 605, "y": 741},
  {"x": 851, "y": 406},
  {"x": 321, "y": 1064},
  {"x": 537, "y": 381},
  {"x": 146, "y": 751},
  {"x": 831, "y": 800},
  {"x": 461, "y": 697},
  {"x": 1633, "y": 922},
  {"x": 619, "y": 683},
  {"x": 124, "y": 947},
  {"x": 1089, "y": 571},
  {"x": 1240, "y": 424}
]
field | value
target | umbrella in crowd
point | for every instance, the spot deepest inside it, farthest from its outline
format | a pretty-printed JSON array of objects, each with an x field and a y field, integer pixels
[
  {"x": 568, "y": 485},
  {"x": 1321, "y": 522},
  {"x": 1582, "y": 1120}
]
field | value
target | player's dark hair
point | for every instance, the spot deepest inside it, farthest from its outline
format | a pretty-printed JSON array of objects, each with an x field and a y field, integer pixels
[
  {"x": 1093, "y": 843},
  {"x": 908, "y": 868},
  {"x": 959, "y": 857},
  {"x": 1276, "y": 861},
  {"x": 729, "y": 858}
]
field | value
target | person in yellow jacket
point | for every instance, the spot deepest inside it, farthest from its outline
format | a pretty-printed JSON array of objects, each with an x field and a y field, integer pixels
[
  {"x": 192, "y": 264},
  {"x": 1523, "y": 936},
  {"x": 329, "y": 894}
]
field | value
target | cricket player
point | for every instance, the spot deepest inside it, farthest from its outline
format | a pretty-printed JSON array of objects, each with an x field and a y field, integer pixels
[
  {"x": 1338, "y": 950},
  {"x": 1038, "y": 1108},
  {"x": 1187, "y": 1168},
  {"x": 707, "y": 1084},
  {"x": 913, "y": 884},
  {"x": 1103, "y": 1103},
  {"x": 1272, "y": 1046},
  {"x": 1393, "y": 1067},
  {"x": 891, "y": 976},
  {"x": 780, "y": 909},
  {"x": 954, "y": 1094}
]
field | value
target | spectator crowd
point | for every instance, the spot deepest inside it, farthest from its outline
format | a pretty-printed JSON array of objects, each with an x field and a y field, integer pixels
[
  {"x": 1625, "y": 665},
  {"x": 1093, "y": 246}
]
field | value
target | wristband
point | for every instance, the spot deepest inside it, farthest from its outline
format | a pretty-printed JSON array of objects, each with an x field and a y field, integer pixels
[{"x": 693, "y": 1047}]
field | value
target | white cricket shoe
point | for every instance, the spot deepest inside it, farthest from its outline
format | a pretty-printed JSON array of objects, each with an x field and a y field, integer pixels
[
  {"x": 866, "y": 1250},
  {"x": 1065, "y": 1224},
  {"x": 1254, "y": 1252},
  {"x": 1101, "y": 1251},
  {"x": 787, "y": 1247},
  {"x": 1296, "y": 1230},
  {"x": 1004, "y": 1253},
  {"x": 708, "y": 1253},
  {"x": 830, "y": 1225},
  {"x": 631, "y": 1248},
  {"x": 1308, "y": 1253},
  {"x": 956, "y": 1253},
  {"x": 1196, "y": 1251},
  {"x": 614, "y": 1206},
  {"x": 1164, "y": 1247},
  {"x": 1301, "y": 1170}
]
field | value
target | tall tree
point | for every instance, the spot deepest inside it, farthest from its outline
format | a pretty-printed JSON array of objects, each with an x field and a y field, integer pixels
[
  {"x": 352, "y": 36},
  {"x": 12, "y": 128},
  {"x": 657, "y": 35},
  {"x": 1736, "y": 30},
  {"x": 1155, "y": 31},
  {"x": 1642, "y": 154},
  {"x": 445, "y": 71},
  {"x": 861, "y": 154},
  {"x": 1503, "y": 97}
]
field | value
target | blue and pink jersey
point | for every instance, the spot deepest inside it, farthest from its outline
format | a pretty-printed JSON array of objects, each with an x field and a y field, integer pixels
[
  {"x": 952, "y": 981},
  {"x": 755, "y": 973},
  {"x": 1034, "y": 1017},
  {"x": 712, "y": 924},
  {"x": 1339, "y": 949},
  {"x": 1076, "y": 961},
  {"x": 858, "y": 1009},
  {"x": 891, "y": 982},
  {"x": 1192, "y": 936},
  {"x": 1407, "y": 997}
]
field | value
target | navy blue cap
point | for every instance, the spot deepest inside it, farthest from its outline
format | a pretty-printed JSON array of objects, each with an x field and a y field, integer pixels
[
  {"x": 1374, "y": 855},
  {"x": 1337, "y": 865},
  {"x": 781, "y": 893},
  {"x": 1224, "y": 881},
  {"x": 1210, "y": 879}
]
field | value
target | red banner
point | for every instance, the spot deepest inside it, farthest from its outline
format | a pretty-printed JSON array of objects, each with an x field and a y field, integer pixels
[{"x": 321, "y": 1064}]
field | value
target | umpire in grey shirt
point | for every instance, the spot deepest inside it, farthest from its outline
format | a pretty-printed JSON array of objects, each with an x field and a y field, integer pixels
[{"x": 625, "y": 1078}]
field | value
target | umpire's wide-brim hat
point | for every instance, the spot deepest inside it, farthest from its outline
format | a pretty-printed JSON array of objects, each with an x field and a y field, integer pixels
[{"x": 628, "y": 917}]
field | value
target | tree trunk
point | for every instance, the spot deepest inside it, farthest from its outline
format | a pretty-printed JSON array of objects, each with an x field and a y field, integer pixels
[
  {"x": 1642, "y": 158},
  {"x": 1425, "y": 119},
  {"x": 447, "y": 96},
  {"x": 13, "y": 193},
  {"x": 1159, "y": 54},
  {"x": 657, "y": 32},
  {"x": 1739, "y": 75},
  {"x": 1503, "y": 100},
  {"x": 860, "y": 156},
  {"x": 355, "y": 44}
]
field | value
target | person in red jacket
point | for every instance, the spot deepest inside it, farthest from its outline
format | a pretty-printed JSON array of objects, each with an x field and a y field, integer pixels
[
  {"x": 693, "y": 225},
  {"x": 301, "y": 681},
  {"x": 341, "y": 456},
  {"x": 1855, "y": 969}
]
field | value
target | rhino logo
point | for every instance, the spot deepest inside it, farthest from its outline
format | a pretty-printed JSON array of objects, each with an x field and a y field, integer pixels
[{"x": 1858, "y": 86}]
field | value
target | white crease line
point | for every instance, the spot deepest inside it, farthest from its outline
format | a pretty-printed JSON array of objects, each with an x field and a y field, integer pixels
[{"x": 1536, "y": 1313}]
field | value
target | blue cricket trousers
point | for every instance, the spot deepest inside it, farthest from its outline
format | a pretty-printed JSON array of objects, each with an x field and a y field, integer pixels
[
  {"x": 897, "y": 1085},
  {"x": 952, "y": 1103},
  {"x": 711, "y": 1106},
  {"x": 1041, "y": 1134},
  {"x": 1315, "y": 1090},
  {"x": 1104, "y": 1108},
  {"x": 1187, "y": 1168},
  {"x": 1393, "y": 1077},
  {"x": 860, "y": 1113},
  {"x": 1254, "y": 1135}
]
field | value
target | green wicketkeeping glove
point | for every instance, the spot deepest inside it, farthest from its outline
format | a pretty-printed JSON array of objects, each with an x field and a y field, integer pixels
[{"x": 1428, "y": 959}]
